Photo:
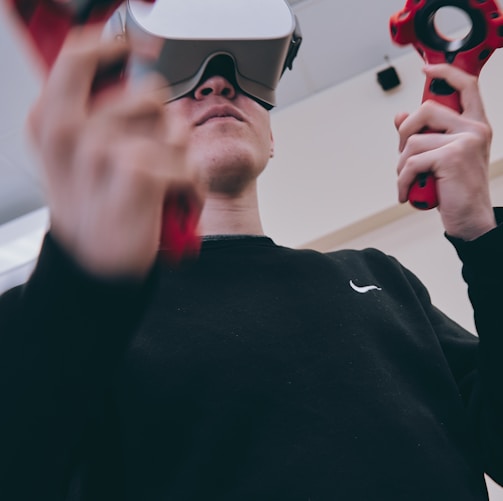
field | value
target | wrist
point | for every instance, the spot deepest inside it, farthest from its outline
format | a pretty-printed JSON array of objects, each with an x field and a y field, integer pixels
[{"x": 473, "y": 227}]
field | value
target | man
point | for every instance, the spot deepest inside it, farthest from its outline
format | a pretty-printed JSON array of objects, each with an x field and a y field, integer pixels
[{"x": 247, "y": 373}]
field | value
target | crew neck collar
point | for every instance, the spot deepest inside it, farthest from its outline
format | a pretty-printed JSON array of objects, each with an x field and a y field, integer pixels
[
  {"x": 226, "y": 237},
  {"x": 215, "y": 241}
]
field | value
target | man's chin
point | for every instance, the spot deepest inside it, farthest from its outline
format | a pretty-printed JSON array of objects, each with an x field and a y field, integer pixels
[{"x": 231, "y": 179}]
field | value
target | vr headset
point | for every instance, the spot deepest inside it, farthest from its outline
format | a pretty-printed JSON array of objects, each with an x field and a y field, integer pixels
[{"x": 249, "y": 42}]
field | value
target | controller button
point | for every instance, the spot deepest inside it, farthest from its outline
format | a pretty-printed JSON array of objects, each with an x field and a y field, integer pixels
[
  {"x": 440, "y": 87},
  {"x": 484, "y": 54}
]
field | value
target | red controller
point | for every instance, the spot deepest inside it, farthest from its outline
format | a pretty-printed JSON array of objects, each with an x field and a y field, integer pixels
[
  {"x": 415, "y": 24},
  {"x": 47, "y": 22}
]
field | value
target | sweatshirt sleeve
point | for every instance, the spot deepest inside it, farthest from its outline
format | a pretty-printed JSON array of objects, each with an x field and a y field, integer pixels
[
  {"x": 483, "y": 272},
  {"x": 60, "y": 336}
]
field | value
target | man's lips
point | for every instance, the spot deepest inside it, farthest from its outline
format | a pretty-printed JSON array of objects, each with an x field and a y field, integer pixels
[{"x": 220, "y": 112}]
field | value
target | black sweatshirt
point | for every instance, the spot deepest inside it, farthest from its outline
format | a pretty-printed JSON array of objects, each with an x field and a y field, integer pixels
[{"x": 256, "y": 372}]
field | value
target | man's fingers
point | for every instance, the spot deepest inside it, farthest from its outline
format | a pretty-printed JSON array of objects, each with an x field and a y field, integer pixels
[
  {"x": 465, "y": 84},
  {"x": 415, "y": 165},
  {"x": 400, "y": 118},
  {"x": 420, "y": 156},
  {"x": 436, "y": 117},
  {"x": 82, "y": 55},
  {"x": 431, "y": 116},
  {"x": 139, "y": 110},
  {"x": 421, "y": 143}
]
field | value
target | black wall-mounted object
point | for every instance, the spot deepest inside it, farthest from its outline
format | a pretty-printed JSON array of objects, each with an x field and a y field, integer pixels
[{"x": 388, "y": 78}]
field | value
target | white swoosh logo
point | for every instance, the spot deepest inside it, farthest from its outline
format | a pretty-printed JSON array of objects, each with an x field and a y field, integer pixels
[{"x": 364, "y": 290}]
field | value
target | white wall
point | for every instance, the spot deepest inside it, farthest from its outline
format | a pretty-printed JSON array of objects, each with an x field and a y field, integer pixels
[{"x": 20, "y": 242}]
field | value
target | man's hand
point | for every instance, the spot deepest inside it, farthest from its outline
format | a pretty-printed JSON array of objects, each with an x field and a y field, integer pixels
[
  {"x": 107, "y": 166},
  {"x": 457, "y": 156}
]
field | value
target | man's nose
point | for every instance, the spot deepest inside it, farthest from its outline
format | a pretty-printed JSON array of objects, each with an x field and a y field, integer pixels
[{"x": 216, "y": 85}]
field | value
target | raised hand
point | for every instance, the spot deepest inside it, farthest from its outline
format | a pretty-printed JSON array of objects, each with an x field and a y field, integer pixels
[
  {"x": 107, "y": 165},
  {"x": 457, "y": 156}
]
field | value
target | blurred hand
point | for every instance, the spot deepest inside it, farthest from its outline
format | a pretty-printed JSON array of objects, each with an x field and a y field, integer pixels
[
  {"x": 458, "y": 156},
  {"x": 106, "y": 163}
]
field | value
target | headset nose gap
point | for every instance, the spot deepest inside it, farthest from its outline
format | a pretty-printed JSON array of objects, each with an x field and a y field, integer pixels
[{"x": 217, "y": 85}]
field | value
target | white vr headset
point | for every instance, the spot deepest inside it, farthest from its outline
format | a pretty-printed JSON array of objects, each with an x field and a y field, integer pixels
[{"x": 250, "y": 42}]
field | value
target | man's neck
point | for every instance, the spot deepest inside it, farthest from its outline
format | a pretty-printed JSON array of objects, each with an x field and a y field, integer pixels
[{"x": 231, "y": 215}]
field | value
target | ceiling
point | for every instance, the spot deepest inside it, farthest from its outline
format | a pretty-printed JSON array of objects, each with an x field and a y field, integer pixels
[{"x": 340, "y": 40}]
